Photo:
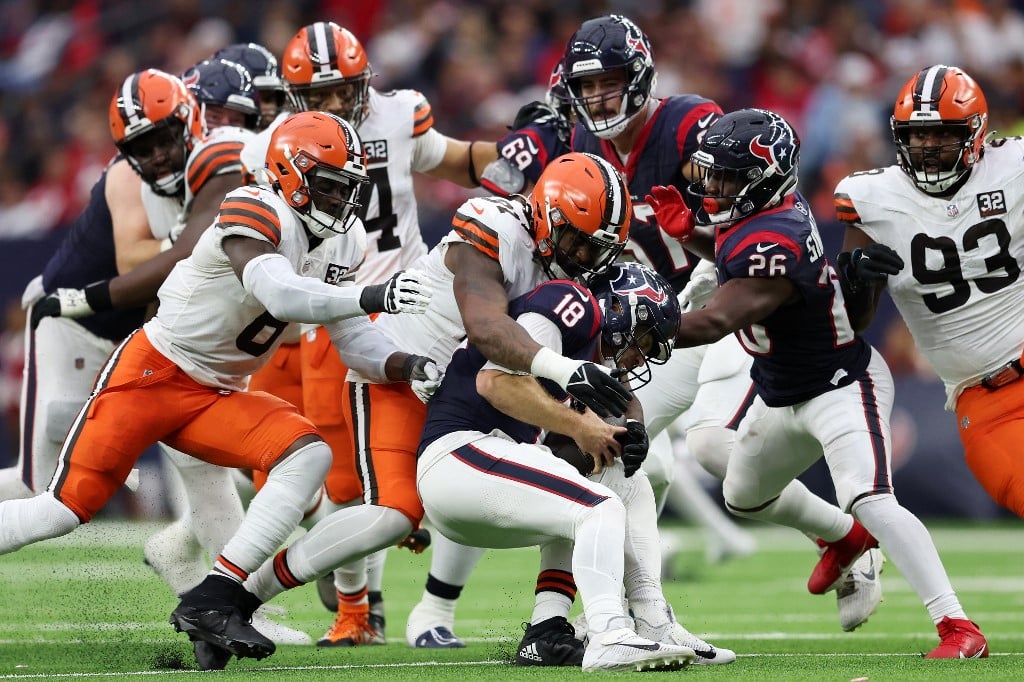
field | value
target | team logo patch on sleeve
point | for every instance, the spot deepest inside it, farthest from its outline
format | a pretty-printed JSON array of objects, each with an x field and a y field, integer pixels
[
  {"x": 991, "y": 203},
  {"x": 335, "y": 273}
]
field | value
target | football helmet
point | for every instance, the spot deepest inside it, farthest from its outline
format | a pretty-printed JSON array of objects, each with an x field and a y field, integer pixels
[
  {"x": 748, "y": 160},
  {"x": 266, "y": 77},
  {"x": 326, "y": 58},
  {"x": 640, "y": 311},
  {"x": 949, "y": 103},
  {"x": 226, "y": 84},
  {"x": 557, "y": 98},
  {"x": 581, "y": 214},
  {"x": 606, "y": 44},
  {"x": 316, "y": 163},
  {"x": 155, "y": 122}
]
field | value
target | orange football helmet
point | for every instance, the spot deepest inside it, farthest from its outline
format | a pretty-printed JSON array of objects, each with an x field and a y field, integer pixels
[
  {"x": 153, "y": 116},
  {"x": 946, "y": 100},
  {"x": 324, "y": 59},
  {"x": 317, "y": 165},
  {"x": 580, "y": 200}
]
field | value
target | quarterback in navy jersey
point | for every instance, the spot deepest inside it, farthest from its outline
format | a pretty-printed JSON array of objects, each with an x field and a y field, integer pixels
[{"x": 820, "y": 388}]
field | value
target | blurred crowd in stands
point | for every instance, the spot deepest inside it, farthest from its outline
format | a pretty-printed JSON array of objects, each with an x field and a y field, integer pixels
[{"x": 831, "y": 68}]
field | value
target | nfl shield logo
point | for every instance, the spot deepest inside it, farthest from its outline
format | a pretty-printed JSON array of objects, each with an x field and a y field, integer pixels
[{"x": 952, "y": 210}]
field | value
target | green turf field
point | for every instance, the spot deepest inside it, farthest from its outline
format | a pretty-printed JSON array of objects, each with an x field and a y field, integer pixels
[{"x": 85, "y": 607}]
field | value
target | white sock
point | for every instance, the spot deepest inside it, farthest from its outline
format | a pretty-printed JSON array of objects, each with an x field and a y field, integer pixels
[
  {"x": 451, "y": 562},
  {"x": 31, "y": 519},
  {"x": 597, "y": 564},
  {"x": 909, "y": 546}
]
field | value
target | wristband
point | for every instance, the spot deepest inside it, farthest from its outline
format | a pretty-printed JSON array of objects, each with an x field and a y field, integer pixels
[
  {"x": 97, "y": 295},
  {"x": 548, "y": 364}
]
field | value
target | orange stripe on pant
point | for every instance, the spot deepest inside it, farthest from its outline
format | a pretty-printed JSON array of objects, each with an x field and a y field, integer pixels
[
  {"x": 991, "y": 427},
  {"x": 147, "y": 398}
]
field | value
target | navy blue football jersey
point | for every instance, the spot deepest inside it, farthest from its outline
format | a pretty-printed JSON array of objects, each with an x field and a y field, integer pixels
[
  {"x": 456, "y": 406},
  {"x": 807, "y": 347},
  {"x": 87, "y": 255},
  {"x": 666, "y": 142},
  {"x": 532, "y": 148}
]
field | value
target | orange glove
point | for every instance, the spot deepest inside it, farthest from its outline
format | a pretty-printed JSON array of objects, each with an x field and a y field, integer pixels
[{"x": 674, "y": 216}]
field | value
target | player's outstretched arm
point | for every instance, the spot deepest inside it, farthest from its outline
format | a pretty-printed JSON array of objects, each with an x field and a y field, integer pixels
[
  {"x": 735, "y": 305},
  {"x": 864, "y": 268}
]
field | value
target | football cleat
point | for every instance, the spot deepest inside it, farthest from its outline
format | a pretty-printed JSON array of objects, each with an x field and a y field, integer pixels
[
  {"x": 960, "y": 638},
  {"x": 672, "y": 632},
  {"x": 353, "y": 627},
  {"x": 624, "y": 650},
  {"x": 430, "y": 625},
  {"x": 438, "y": 638},
  {"x": 838, "y": 557},
  {"x": 210, "y": 656},
  {"x": 551, "y": 642},
  {"x": 860, "y": 591},
  {"x": 219, "y": 610}
]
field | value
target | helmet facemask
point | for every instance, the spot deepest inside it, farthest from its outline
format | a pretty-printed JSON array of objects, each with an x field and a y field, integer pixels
[
  {"x": 329, "y": 198},
  {"x": 164, "y": 141},
  {"x": 937, "y": 164},
  {"x": 353, "y": 93},
  {"x": 567, "y": 241}
]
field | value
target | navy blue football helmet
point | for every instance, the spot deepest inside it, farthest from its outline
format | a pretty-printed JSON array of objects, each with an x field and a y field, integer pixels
[
  {"x": 748, "y": 160},
  {"x": 266, "y": 77},
  {"x": 606, "y": 44},
  {"x": 640, "y": 311},
  {"x": 219, "y": 82}
]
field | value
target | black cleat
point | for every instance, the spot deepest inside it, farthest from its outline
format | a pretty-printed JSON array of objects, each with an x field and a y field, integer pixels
[
  {"x": 550, "y": 643},
  {"x": 219, "y": 611},
  {"x": 210, "y": 656}
]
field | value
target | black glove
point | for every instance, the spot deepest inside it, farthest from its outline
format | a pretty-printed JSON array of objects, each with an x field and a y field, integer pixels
[
  {"x": 599, "y": 390},
  {"x": 530, "y": 113},
  {"x": 871, "y": 265},
  {"x": 73, "y": 303},
  {"x": 423, "y": 375},
  {"x": 634, "y": 446}
]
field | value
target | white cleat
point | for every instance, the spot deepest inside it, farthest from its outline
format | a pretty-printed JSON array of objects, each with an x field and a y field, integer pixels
[
  {"x": 624, "y": 650},
  {"x": 671, "y": 632},
  {"x": 175, "y": 555},
  {"x": 860, "y": 590},
  {"x": 276, "y": 632}
]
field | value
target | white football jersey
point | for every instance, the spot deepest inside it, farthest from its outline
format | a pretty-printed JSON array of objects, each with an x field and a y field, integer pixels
[
  {"x": 214, "y": 329},
  {"x": 216, "y": 155},
  {"x": 961, "y": 292},
  {"x": 399, "y": 138},
  {"x": 499, "y": 228}
]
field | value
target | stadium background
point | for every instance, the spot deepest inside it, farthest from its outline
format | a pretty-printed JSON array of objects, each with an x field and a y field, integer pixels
[{"x": 832, "y": 69}]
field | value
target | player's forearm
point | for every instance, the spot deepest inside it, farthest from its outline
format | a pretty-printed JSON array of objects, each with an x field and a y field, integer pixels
[
  {"x": 139, "y": 287},
  {"x": 522, "y": 397},
  {"x": 702, "y": 327},
  {"x": 701, "y": 244},
  {"x": 504, "y": 343},
  {"x": 290, "y": 297}
]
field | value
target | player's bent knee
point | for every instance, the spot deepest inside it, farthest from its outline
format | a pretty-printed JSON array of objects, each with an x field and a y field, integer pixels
[{"x": 711, "y": 446}]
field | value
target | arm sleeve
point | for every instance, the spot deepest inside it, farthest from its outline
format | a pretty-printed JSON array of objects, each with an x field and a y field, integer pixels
[
  {"x": 428, "y": 150},
  {"x": 363, "y": 347},
  {"x": 290, "y": 297}
]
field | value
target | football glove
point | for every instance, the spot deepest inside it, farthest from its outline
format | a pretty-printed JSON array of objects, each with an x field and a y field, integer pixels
[
  {"x": 73, "y": 303},
  {"x": 531, "y": 113},
  {"x": 423, "y": 375},
  {"x": 416, "y": 541},
  {"x": 599, "y": 389},
  {"x": 634, "y": 446},
  {"x": 405, "y": 292},
  {"x": 871, "y": 265},
  {"x": 673, "y": 215}
]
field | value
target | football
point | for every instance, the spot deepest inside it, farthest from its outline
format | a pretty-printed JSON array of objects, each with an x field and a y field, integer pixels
[{"x": 565, "y": 448}]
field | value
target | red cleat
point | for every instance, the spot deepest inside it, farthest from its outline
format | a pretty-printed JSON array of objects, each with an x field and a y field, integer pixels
[
  {"x": 838, "y": 558},
  {"x": 961, "y": 638}
]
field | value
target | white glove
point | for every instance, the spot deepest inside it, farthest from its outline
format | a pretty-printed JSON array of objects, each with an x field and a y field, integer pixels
[
  {"x": 423, "y": 375},
  {"x": 405, "y": 292},
  {"x": 702, "y": 285}
]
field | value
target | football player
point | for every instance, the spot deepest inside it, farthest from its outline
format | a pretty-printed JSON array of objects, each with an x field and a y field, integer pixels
[
  {"x": 958, "y": 219},
  {"x": 819, "y": 387},
  {"x": 486, "y": 481},
  {"x": 271, "y": 93},
  {"x": 274, "y": 256}
]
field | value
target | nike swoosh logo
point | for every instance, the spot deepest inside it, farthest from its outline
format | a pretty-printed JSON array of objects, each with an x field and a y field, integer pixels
[
  {"x": 645, "y": 647},
  {"x": 869, "y": 575},
  {"x": 706, "y": 121},
  {"x": 761, "y": 248},
  {"x": 479, "y": 211}
]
